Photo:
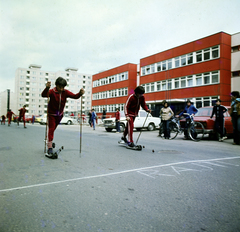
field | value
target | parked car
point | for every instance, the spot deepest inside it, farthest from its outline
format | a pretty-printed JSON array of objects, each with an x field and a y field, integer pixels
[
  {"x": 151, "y": 123},
  {"x": 38, "y": 119},
  {"x": 65, "y": 120},
  {"x": 203, "y": 116}
]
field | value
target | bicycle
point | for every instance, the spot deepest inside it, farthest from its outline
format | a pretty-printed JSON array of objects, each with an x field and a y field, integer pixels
[
  {"x": 174, "y": 128},
  {"x": 195, "y": 130}
]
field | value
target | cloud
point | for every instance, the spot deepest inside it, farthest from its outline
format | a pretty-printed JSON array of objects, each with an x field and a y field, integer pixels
[{"x": 97, "y": 35}]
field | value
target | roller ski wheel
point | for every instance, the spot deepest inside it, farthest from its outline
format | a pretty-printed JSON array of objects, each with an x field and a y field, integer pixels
[{"x": 136, "y": 147}]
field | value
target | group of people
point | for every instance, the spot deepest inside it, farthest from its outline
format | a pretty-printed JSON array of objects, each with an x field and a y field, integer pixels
[
  {"x": 20, "y": 118},
  {"x": 166, "y": 114}
]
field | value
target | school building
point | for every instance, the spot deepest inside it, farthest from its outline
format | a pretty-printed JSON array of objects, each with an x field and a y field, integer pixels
[
  {"x": 111, "y": 88},
  {"x": 202, "y": 71}
]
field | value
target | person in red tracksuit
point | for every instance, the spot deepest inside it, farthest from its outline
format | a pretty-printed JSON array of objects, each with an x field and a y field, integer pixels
[
  {"x": 131, "y": 109},
  {"x": 58, "y": 97},
  {"x": 22, "y": 112},
  {"x": 9, "y": 116}
]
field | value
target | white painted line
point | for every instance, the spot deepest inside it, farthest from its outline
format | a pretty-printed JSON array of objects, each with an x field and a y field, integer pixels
[
  {"x": 145, "y": 174},
  {"x": 117, "y": 173}
]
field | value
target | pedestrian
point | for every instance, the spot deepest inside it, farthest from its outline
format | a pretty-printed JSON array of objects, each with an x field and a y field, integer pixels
[
  {"x": 191, "y": 110},
  {"x": 22, "y": 112},
  {"x": 57, "y": 100},
  {"x": 117, "y": 116},
  {"x": 9, "y": 116},
  {"x": 218, "y": 111},
  {"x": 33, "y": 119},
  {"x": 166, "y": 114},
  {"x": 3, "y": 120},
  {"x": 93, "y": 118},
  {"x": 235, "y": 115},
  {"x": 90, "y": 118},
  {"x": 131, "y": 110},
  {"x": 104, "y": 114}
]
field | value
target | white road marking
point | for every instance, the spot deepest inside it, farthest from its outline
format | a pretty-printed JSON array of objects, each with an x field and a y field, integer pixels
[{"x": 118, "y": 173}]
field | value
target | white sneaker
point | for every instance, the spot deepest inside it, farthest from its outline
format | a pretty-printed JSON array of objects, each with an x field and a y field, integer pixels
[
  {"x": 224, "y": 137},
  {"x": 220, "y": 139}
]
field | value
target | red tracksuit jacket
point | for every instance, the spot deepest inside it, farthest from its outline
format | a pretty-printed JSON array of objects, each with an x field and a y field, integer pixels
[
  {"x": 133, "y": 104},
  {"x": 58, "y": 100}
]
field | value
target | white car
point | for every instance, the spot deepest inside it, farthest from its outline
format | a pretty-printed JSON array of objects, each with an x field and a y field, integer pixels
[
  {"x": 65, "y": 120},
  {"x": 151, "y": 123}
]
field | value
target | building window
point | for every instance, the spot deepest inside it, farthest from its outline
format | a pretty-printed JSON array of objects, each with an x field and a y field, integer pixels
[
  {"x": 190, "y": 58},
  {"x": 199, "y": 56},
  {"x": 148, "y": 70},
  {"x": 215, "y": 78},
  {"x": 158, "y": 86},
  {"x": 164, "y": 85},
  {"x": 159, "y": 67},
  {"x": 199, "y": 79},
  {"x": 169, "y": 64},
  {"x": 152, "y": 68},
  {"x": 183, "y": 60},
  {"x": 177, "y": 64},
  {"x": 183, "y": 82},
  {"x": 206, "y": 78},
  {"x": 189, "y": 81},
  {"x": 152, "y": 87},
  {"x": 176, "y": 83},
  {"x": 164, "y": 65},
  {"x": 207, "y": 54},
  {"x": 215, "y": 52}
]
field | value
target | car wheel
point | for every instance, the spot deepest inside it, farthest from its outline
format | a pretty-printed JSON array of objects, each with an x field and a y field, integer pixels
[
  {"x": 69, "y": 122},
  {"x": 151, "y": 127},
  {"x": 122, "y": 127},
  {"x": 108, "y": 129}
]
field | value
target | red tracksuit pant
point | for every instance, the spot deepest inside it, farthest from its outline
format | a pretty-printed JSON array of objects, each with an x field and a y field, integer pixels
[
  {"x": 22, "y": 117},
  {"x": 53, "y": 122},
  {"x": 129, "y": 129}
]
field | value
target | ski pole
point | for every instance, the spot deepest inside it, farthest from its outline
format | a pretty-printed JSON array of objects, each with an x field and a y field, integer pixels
[
  {"x": 142, "y": 127},
  {"x": 45, "y": 144},
  {"x": 80, "y": 151}
]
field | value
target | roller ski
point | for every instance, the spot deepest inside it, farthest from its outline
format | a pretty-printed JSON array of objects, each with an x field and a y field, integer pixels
[
  {"x": 129, "y": 145},
  {"x": 53, "y": 155}
]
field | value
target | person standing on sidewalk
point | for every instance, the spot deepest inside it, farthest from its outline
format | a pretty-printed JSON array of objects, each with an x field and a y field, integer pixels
[
  {"x": 57, "y": 100},
  {"x": 166, "y": 113},
  {"x": 235, "y": 115},
  {"x": 219, "y": 111},
  {"x": 93, "y": 118},
  {"x": 117, "y": 116},
  {"x": 22, "y": 112}
]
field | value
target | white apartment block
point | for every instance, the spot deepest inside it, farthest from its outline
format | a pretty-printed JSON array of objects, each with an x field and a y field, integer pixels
[
  {"x": 31, "y": 81},
  {"x": 5, "y": 99},
  {"x": 235, "y": 62}
]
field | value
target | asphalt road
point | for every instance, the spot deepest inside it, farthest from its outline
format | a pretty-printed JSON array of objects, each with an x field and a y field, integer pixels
[{"x": 181, "y": 186}]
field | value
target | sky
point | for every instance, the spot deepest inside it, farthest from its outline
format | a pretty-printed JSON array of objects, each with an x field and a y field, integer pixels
[{"x": 97, "y": 35}]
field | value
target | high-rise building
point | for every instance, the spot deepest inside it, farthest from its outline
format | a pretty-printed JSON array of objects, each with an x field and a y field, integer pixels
[
  {"x": 235, "y": 64},
  {"x": 31, "y": 81}
]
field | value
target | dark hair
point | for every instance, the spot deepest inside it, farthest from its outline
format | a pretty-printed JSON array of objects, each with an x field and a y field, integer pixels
[
  {"x": 139, "y": 90},
  {"x": 218, "y": 100},
  {"x": 165, "y": 102},
  {"x": 235, "y": 93},
  {"x": 61, "y": 82},
  {"x": 188, "y": 100}
]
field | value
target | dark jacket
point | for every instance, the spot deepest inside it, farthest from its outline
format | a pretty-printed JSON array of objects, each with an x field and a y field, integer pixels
[{"x": 219, "y": 111}]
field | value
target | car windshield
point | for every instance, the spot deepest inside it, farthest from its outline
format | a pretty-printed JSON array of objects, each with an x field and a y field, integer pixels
[
  {"x": 204, "y": 111},
  {"x": 207, "y": 112}
]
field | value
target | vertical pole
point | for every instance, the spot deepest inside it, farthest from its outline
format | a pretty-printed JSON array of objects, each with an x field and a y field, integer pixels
[
  {"x": 80, "y": 151},
  {"x": 46, "y": 134}
]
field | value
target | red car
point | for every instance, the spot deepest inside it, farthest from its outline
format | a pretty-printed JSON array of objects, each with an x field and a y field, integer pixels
[{"x": 203, "y": 116}]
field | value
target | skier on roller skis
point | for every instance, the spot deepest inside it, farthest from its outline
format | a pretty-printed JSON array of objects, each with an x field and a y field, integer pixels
[
  {"x": 131, "y": 110},
  {"x": 58, "y": 97}
]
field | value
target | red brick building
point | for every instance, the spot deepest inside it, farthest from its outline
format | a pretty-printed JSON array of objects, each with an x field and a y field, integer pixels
[
  {"x": 111, "y": 88},
  {"x": 199, "y": 70}
]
